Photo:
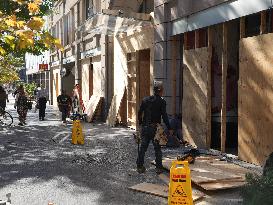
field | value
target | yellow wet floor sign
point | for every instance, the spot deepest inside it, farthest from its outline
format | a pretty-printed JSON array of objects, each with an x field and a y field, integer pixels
[
  {"x": 180, "y": 191},
  {"x": 77, "y": 135}
]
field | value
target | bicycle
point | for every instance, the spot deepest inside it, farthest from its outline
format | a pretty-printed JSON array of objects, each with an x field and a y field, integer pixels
[{"x": 5, "y": 117}]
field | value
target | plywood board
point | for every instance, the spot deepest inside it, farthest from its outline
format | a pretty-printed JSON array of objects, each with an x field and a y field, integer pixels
[
  {"x": 230, "y": 167},
  {"x": 114, "y": 108},
  {"x": 215, "y": 186},
  {"x": 255, "y": 108},
  {"x": 212, "y": 186},
  {"x": 144, "y": 74},
  {"x": 92, "y": 106},
  {"x": 202, "y": 172},
  {"x": 195, "y": 96},
  {"x": 161, "y": 190}
]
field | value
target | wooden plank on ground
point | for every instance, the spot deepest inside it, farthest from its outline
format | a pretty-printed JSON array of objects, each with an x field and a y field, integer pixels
[
  {"x": 212, "y": 186},
  {"x": 202, "y": 172},
  {"x": 215, "y": 186},
  {"x": 230, "y": 167},
  {"x": 161, "y": 190}
]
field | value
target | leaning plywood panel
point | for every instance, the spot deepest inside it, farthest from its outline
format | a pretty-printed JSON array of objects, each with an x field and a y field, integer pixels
[
  {"x": 92, "y": 106},
  {"x": 195, "y": 96},
  {"x": 115, "y": 107},
  {"x": 256, "y": 99}
]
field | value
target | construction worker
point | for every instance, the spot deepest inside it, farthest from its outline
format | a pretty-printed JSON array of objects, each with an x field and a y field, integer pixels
[
  {"x": 64, "y": 104},
  {"x": 152, "y": 109}
]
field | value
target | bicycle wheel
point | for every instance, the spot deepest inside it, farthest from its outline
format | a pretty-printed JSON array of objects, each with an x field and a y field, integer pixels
[{"x": 6, "y": 118}]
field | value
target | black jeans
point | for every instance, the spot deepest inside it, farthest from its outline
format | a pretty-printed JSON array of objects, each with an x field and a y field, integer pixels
[
  {"x": 64, "y": 110},
  {"x": 147, "y": 135},
  {"x": 42, "y": 112},
  {"x": 42, "y": 107}
]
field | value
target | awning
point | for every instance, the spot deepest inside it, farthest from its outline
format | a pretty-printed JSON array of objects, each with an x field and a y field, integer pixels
[
  {"x": 219, "y": 14},
  {"x": 111, "y": 25}
]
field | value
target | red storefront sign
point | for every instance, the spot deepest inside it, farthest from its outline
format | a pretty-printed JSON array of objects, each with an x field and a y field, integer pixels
[{"x": 43, "y": 67}]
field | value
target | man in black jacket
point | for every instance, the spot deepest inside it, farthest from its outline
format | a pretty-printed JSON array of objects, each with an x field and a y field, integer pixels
[
  {"x": 64, "y": 104},
  {"x": 152, "y": 109}
]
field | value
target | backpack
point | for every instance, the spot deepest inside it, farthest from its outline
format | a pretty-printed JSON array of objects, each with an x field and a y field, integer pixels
[{"x": 63, "y": 99}]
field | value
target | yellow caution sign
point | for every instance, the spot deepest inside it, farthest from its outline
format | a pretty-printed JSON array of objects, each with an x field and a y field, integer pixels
[
  {"x": 77, "y": 135},
  {"x": 180, "y": 191}
]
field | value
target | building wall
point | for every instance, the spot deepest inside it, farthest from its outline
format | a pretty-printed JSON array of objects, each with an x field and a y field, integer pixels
[
  {"x": 123, "y": 44},
  {"x": 165, "y": 12},
  {"x": 85, "y": 79},
  {"x": 56, "y": 85},
  {"x": 66, "y": 24}
]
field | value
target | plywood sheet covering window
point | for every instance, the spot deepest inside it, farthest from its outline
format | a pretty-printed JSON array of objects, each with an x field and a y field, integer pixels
[
  {"x": 195, "y": 97},
  {"x": 256, "y": 99}
]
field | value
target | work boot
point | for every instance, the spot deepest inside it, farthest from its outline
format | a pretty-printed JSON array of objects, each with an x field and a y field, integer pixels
[
  {"x": 141, "y": 169},
  {"x": 159, "y": 170}
]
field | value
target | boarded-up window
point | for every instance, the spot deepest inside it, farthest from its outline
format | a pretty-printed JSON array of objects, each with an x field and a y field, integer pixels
[
  {"x": 253, "y": 23},
  {"x": 189, "y": 40},
  {"x": 202, "y": 38}
]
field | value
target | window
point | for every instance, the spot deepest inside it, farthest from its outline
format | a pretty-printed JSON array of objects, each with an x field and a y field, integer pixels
[
  {"x": 202, "y": 36},
  {"x": 57, "y": 30},
  {"x": 87, "y": 7},
  {"x": 65, "y": 26},
  {"x": 253, "y": 23},
  {"x": 189, "y": 40},
  {"x": 53, "y": 31},
  {"x": 78, "y": 15},
  {"x": 72, "y": 23}
]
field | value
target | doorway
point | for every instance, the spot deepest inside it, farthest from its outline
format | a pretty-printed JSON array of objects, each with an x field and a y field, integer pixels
[
  {"x": 233, "y": 37},
  {"x": 138, "y": 82}
]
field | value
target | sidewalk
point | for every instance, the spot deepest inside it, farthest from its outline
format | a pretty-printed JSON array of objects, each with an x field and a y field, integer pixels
[{"x": 38, "y": 164}]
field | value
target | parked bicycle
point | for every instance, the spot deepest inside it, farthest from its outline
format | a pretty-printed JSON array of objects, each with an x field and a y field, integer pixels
[{"x": 5, "y": 117}]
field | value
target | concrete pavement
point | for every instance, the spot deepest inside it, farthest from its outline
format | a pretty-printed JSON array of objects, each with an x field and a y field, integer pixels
[{"x": 38, "y": 165}]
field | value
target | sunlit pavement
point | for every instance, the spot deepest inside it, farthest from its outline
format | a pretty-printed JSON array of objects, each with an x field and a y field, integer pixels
[{"x": 38, "y": 164}]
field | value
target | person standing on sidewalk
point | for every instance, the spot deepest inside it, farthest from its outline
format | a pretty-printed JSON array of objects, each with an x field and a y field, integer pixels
[
  {"x": 3, "y": 98},
  {"x": 41, "y": 102},
  {"x": 21, "y": 104},
  {"x": 64, "y": 103},
  {"x": 153, "y": 108}
]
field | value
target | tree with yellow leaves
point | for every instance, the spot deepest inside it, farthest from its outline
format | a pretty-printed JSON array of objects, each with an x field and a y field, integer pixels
[{"x": 22, "y": 30}]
